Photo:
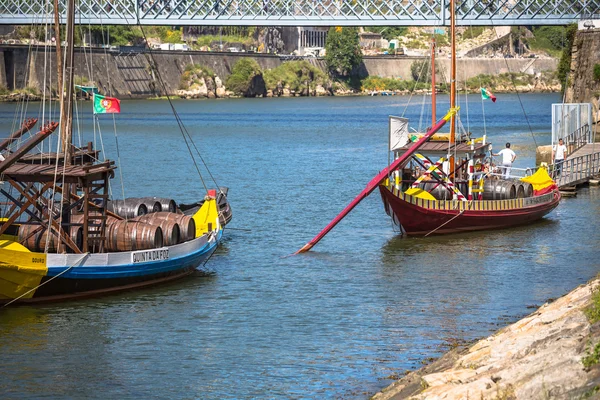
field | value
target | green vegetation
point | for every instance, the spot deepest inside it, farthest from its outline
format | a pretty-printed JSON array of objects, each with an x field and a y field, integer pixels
[
  {"x": 551, "y": 39},
  {"x": 206, "y": 40},
  {"x": 242, "y": 75},
  {"x": 343, "y": 50},
  {"x": 564, "y": 65},
  {"x": 4, "y": 90},
  {"x": 190, "y": 79},
  {"x": 375, "y": 83},
  {"x": 295, "y": 75},
  {"x": 390, "y": 32},
  {"x": 507, "y": 80},
  {"x": 597, "y": 72},
  {"x": 421, "y": 70},
  {"x": 592, "y": 312},
  {"x": 473, "y": 32},
  {"x": 592, "y": 357}
]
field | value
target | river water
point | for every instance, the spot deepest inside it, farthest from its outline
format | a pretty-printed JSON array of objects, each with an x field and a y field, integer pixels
[{"x": 338, "y": 322}]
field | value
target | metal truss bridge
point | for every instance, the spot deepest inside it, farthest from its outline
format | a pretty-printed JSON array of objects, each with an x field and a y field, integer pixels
[{"x": 304, "y": 12}]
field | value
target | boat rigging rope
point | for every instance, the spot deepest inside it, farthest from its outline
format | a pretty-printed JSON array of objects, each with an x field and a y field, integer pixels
[
  {"x": 83, "y": 257},
  {"x": 451, "y": 219},
  {"x": 184, "y": 132},
  {"x": 512, "y": 81}
]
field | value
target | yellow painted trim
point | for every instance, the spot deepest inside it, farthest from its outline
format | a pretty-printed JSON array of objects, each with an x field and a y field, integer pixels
[
  {"x": 207, "y": 217},
  {"x": 20, "y": 270}
]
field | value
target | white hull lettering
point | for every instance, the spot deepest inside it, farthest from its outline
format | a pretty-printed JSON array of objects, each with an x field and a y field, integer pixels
[{"x": 150, "y": 255}]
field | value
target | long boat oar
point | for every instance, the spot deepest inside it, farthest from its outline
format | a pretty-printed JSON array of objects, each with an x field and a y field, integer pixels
[{"x": 377, "y": 180}]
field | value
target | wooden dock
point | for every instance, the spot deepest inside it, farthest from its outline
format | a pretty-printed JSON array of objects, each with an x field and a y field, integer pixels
[{"x": 580, "y": 167}]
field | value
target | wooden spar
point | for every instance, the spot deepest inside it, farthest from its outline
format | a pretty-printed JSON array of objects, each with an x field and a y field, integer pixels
[
  {"x": 28, "y": 145},
  {"x": 433, "y": 94},
  {"x": 59, "y": 60},
  {"x": 377, "y": 180},
  {"x": 26, "y": 127},
  {"x": 66, "y": 112},
  {"x": 452, "y": 82}
]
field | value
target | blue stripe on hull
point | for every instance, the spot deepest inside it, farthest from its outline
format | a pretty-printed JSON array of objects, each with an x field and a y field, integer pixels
[{"x": 139, "y": 269}]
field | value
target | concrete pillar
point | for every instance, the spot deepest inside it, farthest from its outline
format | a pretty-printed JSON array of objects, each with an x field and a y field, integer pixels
[{"x": 3, "y": 82}]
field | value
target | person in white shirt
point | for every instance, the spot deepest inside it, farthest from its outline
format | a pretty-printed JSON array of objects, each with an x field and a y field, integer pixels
[
  {"x": 508, "y": 157},
  {"x": 559, "y": 152}
]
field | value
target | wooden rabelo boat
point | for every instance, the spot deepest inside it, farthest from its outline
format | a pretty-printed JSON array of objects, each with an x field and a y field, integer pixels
[
  {"x": 62, "y": 237},
  {"x": 441, "y": 183}
]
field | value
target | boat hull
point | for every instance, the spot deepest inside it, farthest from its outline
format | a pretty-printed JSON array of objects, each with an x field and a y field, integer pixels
[
  {"x": 72, "y": 276},
  {"x": 421, "y": 217}
]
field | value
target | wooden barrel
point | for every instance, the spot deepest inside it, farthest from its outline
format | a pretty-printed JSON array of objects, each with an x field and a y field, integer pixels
[
  {"x": 35, "y": 238},
  {"x": 187, "y": 225},
  {"x": 130, "y": 236},
  {"x": 166, "y": 204},
  {"x": 128, "y": 208},
  {"x": 528, "y": 189},
  {"x": 170, "y": 229},
  {"x": 152, "y": 204},
  {"x": 78, "y": 218},
  {"x": 437, "y": 190},
  {"x": 499, "y": 189},
  {"x": 520, "y": 190}
]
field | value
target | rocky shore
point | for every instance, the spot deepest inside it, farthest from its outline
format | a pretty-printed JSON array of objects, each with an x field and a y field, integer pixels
[{"x": 551, "y": 354}]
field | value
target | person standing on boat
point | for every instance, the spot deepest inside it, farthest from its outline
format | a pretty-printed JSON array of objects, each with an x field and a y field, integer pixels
[
  {"x": 559, "y": 152},
  {"x": 508, "y": 158}
]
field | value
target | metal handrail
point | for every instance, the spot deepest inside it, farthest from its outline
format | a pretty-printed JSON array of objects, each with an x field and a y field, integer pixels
[
  {"x": 578, "y": 138},
  {"x": 577, "y": 169}
]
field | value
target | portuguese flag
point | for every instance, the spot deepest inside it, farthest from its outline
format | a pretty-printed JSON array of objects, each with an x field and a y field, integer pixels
[
  {"x": 103, "y": 104},
  {"x": 486, "y": 94}
]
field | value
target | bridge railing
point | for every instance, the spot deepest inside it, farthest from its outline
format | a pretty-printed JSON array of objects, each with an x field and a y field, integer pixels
[
  {"x": 576, "y": 170},
  {"x": 304, "y": 12}
]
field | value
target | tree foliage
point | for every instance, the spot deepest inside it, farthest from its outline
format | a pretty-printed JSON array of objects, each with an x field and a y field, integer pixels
[
  {"x": 343, "y": 50},
  {"x": 242, "y": 75},
  {"x": 295, "y": 75},
  {"x": 390, "y": 32},
  {"x": 564, "y": 65}
]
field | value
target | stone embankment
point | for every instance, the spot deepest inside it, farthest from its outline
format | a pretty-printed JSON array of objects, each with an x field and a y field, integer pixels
[{"x": 539, "y": 357}]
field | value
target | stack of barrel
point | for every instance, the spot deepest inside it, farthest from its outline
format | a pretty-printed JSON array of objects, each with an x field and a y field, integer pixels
[
  {"x": 150, "y": 222},
  {"x": 500, "y": 189}
]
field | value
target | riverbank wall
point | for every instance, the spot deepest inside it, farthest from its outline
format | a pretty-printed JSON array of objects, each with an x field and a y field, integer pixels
[
  {"x": 550, "y": 354},
  {"x": 133, "y": 74}
]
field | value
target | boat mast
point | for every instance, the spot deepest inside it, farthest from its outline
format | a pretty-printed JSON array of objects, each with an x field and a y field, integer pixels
[
  {"x": 59, "y": 60},
  {"x": 433, "y": 95},
  {"x": 452, "y": 82},
  {"x": 66, "y": 92}
]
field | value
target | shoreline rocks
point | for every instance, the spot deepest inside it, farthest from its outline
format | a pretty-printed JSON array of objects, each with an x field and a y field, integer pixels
[{"x": 539, "y": 356}]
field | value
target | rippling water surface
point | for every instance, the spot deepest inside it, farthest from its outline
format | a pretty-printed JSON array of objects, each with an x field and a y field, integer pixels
[{"x": 339, "y": 321}]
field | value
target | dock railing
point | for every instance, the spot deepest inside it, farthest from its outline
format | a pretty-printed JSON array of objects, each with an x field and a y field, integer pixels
[
  {"x": 577, "y": 170},
  {"x": 578, "y": 138}
]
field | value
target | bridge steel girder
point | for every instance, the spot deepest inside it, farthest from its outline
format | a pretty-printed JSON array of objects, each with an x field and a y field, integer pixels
[{"x": 304, "y": 12}]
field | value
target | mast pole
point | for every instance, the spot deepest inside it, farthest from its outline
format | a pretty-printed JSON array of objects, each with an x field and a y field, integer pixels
[
  {"x": 452, "y": 82},
  {"x": 59, "y": 60},
  {"x": 433, "y": 94},
  {"x": 66, "y": 109}
]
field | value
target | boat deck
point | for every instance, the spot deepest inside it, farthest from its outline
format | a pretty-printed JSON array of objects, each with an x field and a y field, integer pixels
[{"x": 24, "y": 172}]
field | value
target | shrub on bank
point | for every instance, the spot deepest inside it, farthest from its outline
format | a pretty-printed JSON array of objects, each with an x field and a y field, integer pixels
[
  {"x": 246, "y": 78},
  {"x": 295, "y": 75},
  {"x": 193, "y": 74},
  {"x": 376, "y": 83}
]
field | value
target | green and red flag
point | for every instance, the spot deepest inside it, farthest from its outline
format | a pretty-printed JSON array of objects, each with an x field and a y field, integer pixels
[
  {"x": 103, "y": 104},
  {"x": 486, "y": 94}
]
